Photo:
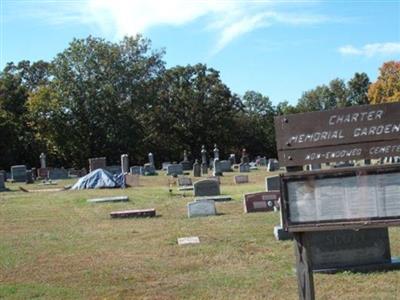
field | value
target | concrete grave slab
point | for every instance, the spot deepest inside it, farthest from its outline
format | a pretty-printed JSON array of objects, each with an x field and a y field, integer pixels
[
  {"x": 109, "y": 199},
  {"x": 238, "y": 179},
  {"x": 188, "y": 240}
]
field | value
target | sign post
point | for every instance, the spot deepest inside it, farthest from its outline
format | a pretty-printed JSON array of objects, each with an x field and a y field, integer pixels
[{"x": 323, "y": 208}]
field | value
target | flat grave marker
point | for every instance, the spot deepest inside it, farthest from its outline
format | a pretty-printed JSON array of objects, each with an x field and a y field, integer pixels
[
  {"x": 134, "y": 213},
  {"x": 109, "y": 199},
  {"x": 188, "y": 240},
  {"x": 239, "y": 179}
]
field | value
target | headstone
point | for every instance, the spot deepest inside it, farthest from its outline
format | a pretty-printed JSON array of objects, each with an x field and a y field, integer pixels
[
  {"x": 272, "y": 183},
  {"x": 232, "y": 159},
  {"x": 282, "y": 235},
  {"x": 196, "y": 169},
  {"x": 109, "y": 199},
  {"x": 349, "y": 248},
  {"x": 244, "y": 168},
  {"x": 260, "y": 202},
  {"x": 184, "y": 181},
  {"x": 57, "y": 173},
  {"x": 2, "y": 180},
  {"x": 29, "y": 177},
  {"x": 18, "y": 173},
  {"x": 253, "y": 166},
  {"x": 175, "y": 169},
  {"x": 135, "y": 213},
  {"x": 186, "y": 164},
  {"x": 42, "y": 158},
  {"x": 188, "y": 240},
  {"x": 132, "y": 180},
  {"x": 225, "y": 166},
  {"x": 97, "y": 163},
  {"x": 165, "y": 165},
  {"x": 124, "y": 163},
  {"x": 42, "y": 173},
  {"x": 201, "y": 208},
  {"x": 204, "y": 166},
  {"x": 136, "y": 170},
  {"x": 245, "y": 157},
  {"x": 206, "y": 187},
  {"x": 217, "y": 168},
  {"x": 149, "y": 170},
  {"x": 238, "y": 179},
  {"x": 273, "y": 165},
  {"x": 216, "y": 152},
  {"x": 262, "y": 161},
  {"x": 151, "y": 160},
  {"x": 115, "y": 169}
]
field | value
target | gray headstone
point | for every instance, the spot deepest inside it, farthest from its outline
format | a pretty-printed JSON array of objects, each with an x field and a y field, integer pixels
[
  {"x": 245, "y": 157},
  {"x": 204, "y": 169},
  {"x": 201, "y": 208},
  {"x": 196, "y": 169},
  {"x": 124, "y": 163},
  {"x": 18, "y": 173},
  {"x": 149, "y": 170},
  {"x": 216, "y": 152},
  {"x": 203, "y": 155},
  {"x": 42, "y": 158},
  {"x": 165, "y": 165},
  {"x": 97, "y": 163},
  {"x": 226, "y": 166},
  {"x": 174, "y": 169},
  {"x": 217, "y": 168},
  {"x": 346, "y": 248},
  {"x": 244, "y": 168},
  {"x": 184, "y": 181},
  {"x": 57, "y": 174},
  {"x": 206, "y": 187},
  {"x": 273, "y": 165},
  {"x": 232, "y": 159},
  {"x": 262, "y": 161},
  {"x": 241, "y": 179},
  {"x": 272, "y": 183},
  {"x": 136, "y": 170},
  {"x": 151, "y": 159}
]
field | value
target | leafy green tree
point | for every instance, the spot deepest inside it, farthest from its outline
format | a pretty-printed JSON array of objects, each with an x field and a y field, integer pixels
[
  {"x": 338, "y": 94},
  {"x": 358, "y": 89}
]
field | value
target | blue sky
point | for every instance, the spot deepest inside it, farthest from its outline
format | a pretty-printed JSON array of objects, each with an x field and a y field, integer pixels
[{"x": 279, "y": 48}]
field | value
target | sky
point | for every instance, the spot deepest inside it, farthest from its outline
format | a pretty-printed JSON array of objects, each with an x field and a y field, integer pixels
[{"x": 278, "y": 48}]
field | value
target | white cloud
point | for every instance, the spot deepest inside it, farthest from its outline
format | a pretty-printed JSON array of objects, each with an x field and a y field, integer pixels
[
  {"x": 370, "y": 50},
  {"x": 227, "y": 19}
]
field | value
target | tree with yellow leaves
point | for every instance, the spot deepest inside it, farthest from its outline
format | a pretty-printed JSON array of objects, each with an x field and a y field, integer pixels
[{"x": 387, "y": 87}]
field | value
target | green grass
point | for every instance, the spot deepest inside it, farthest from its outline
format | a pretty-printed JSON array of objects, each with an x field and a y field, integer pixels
[{"x": 56, "y": 246}]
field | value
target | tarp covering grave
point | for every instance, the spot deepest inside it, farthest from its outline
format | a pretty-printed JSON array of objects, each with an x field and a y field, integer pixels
[{"x": 99, "y": 179}]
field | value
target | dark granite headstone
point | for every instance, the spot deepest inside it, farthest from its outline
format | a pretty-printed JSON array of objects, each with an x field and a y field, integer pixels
[
  {"x": 244, "y": 168},
  {"x": 349, "y": 248},
  {"x": 149, "y": 170},
  {"x": 18, "y": 173},
  {"x": 273, "y": 165},
  {"x": 174, "y": 169},
  {"x": 184, "y": 181},
  {"x": 29, "y": 177},
  {"x": 136, "y": 170},
  {"x": 97, "y": 163},
  {"x": 57, "y": 173},
  {"x": 272, "y": 183},
  {"x": 196, "y": 169},
  {"x": 2, "y": 180},
  {"x": 42, "y": 173},
  {"x": 225, "y": 166},
  {"x": 206, "y": 187}
]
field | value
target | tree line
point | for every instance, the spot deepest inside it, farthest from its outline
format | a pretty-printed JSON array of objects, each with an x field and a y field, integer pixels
[{"x": 98, "y": 98}]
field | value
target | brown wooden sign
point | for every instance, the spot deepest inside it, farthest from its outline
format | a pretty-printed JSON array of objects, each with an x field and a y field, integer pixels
[
  {"x": 341, "y": 198},
  {"x": 357, "y": 132}
]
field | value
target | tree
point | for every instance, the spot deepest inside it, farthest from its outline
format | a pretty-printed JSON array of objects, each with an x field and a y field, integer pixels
[
  {"x": 317, "y": 99},
  {"x": 387, "y": 86},
  {"x": 284, "y": 108},
  {"x": 358, "y": 89},
  {"x": 338, "y": 94}
]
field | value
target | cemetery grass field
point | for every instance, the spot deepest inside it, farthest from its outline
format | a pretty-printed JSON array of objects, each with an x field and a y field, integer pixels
[{"x": 55, "y": 245}]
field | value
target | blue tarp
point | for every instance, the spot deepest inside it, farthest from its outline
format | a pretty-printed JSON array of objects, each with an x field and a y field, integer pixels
[{"x": 99, "y": 179}]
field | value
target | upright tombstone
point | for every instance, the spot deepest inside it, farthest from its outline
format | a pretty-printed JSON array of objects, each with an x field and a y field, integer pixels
[
  {"x": 57, "y": 173},
  {"x": 97, "y": 163},
  {"x": 29, "y": 177},
  {"x": 204, "y": 167},
  {"x": 136, "y": 170},
  {"x": 174, "y": 169},
  {"x": 216, "y": 152},
  {"x": 244, "y": 167},
  {"x": 186, "y": 165},
  {"x": 18, "y": 173},
  {"x": 232, "y": 159},
  {"x": 245, "y": 157},
  {"x": 2, "y": 180},
  {"x": 226, "y": 166},
  {"x": 273, "y": 165},
  {"x": 206, "y": 187},
  {"x": 151, "y": 159},
  {"x": 260, "y": 202},
  {"x": 124, "y": 163},
  {"x": 165, "y": 165},
  {"x": 196, "y": 169},
  {"x": 201, "y": 208},
  {"x": 272, "y": 183},
  {"x": 148, "y": 170},
  {"x": 184, "y": 181},
  {"x": 42, "y": 158},
  {"x": 217, "y": 171},
  {"x": 325, "y": 209},
  {"x": 131, "y": 180}
]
